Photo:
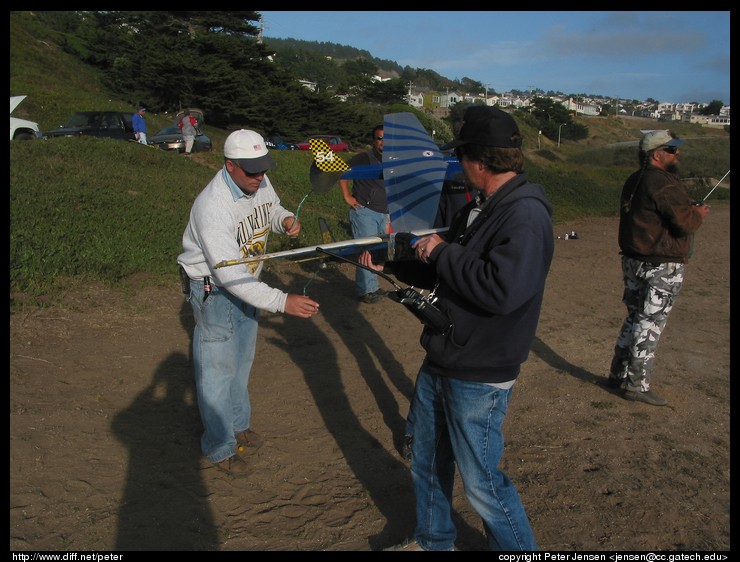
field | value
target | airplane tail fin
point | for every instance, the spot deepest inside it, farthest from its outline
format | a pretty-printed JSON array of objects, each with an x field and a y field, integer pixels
[
  {"x": 326, "y": 167},
  {"x": 414, "y": 171}
]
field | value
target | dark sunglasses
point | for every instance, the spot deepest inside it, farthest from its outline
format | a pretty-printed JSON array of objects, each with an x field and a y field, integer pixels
[
  {"x": 378, "y": 138},
  {"x": 253, "y": 174},
  {"x": 670, "y": 149}
]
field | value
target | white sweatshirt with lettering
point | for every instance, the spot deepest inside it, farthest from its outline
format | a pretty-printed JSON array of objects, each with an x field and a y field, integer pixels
[{"x": 226, "y": 224}]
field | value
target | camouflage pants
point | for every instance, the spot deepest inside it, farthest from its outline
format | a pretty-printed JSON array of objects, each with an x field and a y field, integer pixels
[{"x": 649, "y": 293}]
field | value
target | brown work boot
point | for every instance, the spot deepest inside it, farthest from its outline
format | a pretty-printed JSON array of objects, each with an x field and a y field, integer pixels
[
  {"x": 235, "y": 466},
  {"x": 248, "y": 440}
]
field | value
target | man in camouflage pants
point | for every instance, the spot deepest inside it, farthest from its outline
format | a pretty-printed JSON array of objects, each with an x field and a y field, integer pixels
[{"x": 657, "y": 224}]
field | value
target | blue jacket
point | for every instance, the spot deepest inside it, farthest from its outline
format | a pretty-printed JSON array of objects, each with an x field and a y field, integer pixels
[
  {"x": 138, "y": 123},
  {"x": 491, "y": 284}
]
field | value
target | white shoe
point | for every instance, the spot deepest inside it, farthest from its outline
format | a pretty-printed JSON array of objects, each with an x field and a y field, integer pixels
[{"x": 408, "y": 544}]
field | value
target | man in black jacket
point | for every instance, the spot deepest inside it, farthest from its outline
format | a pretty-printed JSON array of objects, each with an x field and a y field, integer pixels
[{"x": 489, "y": 273}]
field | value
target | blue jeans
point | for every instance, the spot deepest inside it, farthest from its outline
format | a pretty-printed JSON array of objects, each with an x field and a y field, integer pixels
[
  {"x": 460, "y": 421},
  {"x": 366, "y": 222},
  {"x": 224, "y": 341}
]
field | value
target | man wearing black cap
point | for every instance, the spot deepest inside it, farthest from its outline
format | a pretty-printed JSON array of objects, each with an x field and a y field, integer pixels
[
  {"x": 489, "y": 273},
  {"x": 657, "y": 223},
  {"x": 232, "y": 217}
]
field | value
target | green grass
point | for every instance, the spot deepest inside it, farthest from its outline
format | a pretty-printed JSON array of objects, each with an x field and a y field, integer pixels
[
  {"x": 97, "y": 209},
  {"x": 87, "y": 208}
]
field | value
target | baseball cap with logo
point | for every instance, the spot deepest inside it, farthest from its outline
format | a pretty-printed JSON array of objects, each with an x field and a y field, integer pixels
[
  {"x": 248, "y": 149},
  {"x": 487, "y": 126},
  {"x": 654, "y": 139}
]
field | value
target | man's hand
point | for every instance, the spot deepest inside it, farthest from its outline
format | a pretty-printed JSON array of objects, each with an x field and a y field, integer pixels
[
  {"x": 347, "y": 195},
  {"x": 292, "y": 226},
  {"x": 301, "y": 306},
  {"x": 366, "y": 259},
  {"x": 425, "y": 245}
]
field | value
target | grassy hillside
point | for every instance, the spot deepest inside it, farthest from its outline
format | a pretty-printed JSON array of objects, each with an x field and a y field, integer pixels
[{"x": 107, "y": 210}]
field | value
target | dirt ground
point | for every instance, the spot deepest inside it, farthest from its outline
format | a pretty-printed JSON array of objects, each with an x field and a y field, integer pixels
[{"x": 104, "y": 429}]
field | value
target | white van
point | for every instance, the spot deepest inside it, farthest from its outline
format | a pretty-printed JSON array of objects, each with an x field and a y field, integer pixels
[{"x": 21, "y": 129}]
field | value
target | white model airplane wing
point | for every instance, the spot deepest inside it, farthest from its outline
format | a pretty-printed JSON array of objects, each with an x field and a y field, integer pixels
[{"x": 390, "y": 242}]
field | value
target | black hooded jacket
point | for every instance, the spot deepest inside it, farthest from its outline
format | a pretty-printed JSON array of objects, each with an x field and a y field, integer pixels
[{"x": 491, "y": 284}]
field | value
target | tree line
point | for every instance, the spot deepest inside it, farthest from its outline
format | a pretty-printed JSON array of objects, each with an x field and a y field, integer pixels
[
  {"x": 168, "y": 60},
  {"x": 216, "y": 61}
]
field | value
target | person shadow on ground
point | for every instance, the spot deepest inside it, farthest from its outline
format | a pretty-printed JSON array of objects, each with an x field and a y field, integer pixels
[
  {"x": 384, "y": 476},
  {"x": 560, "y": 363},
  {"x": 164, "y": 504}
]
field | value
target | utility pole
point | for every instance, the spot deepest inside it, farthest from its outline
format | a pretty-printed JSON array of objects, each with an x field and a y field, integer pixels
[{"x": 559, "y": 128}]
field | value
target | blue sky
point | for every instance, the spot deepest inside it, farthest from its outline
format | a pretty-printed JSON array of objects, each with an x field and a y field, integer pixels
[{"x": 668, "y": 56}]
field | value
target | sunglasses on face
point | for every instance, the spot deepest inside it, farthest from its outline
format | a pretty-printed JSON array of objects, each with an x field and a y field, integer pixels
[
  {"x": 378, "y": 138},
  {"x": 254, "y": 174},
  {"x": 670, "y": 149}
]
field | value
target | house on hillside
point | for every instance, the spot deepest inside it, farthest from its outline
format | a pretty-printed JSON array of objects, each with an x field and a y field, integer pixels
[
  {"x": 582, "y": 108},
  {"x": 448, "y": 99},
  {"x": 415, "y": 98},
  {"x": 425, "y": 99},
  {"x": 718, "y": 121}
]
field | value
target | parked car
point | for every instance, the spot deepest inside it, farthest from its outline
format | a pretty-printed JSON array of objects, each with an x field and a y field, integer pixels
[
  {"x": 111, "y": 124},
  {"x": 170, "y": 138},
  {"x": 336, "y": 143},
  {"x": 21, "y": 129},
  {"x": 276, "y": 142}
]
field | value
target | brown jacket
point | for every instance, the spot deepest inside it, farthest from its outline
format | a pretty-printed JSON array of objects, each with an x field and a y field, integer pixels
[{"x": 659, "y": 223}]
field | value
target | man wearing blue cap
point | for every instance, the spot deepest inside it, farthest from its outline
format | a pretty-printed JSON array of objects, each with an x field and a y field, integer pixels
[
  {"x": 139, "y": 124},
  {"x": 657, "y": 223}
]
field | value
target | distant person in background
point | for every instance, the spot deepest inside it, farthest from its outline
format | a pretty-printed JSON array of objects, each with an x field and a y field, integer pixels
[
  {"x": 657, "y": 223},
  {"x": 368, "y": 213},
  {"x": 139, "y": 124},
  {"x": 187, "y": 126}
]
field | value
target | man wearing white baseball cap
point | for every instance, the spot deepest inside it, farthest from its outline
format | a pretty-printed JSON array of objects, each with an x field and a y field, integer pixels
[{"x": 231, "y": 218}]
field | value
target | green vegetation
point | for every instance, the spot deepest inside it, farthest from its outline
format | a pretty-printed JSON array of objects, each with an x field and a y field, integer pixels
[{"x": 88, "y": 209}]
